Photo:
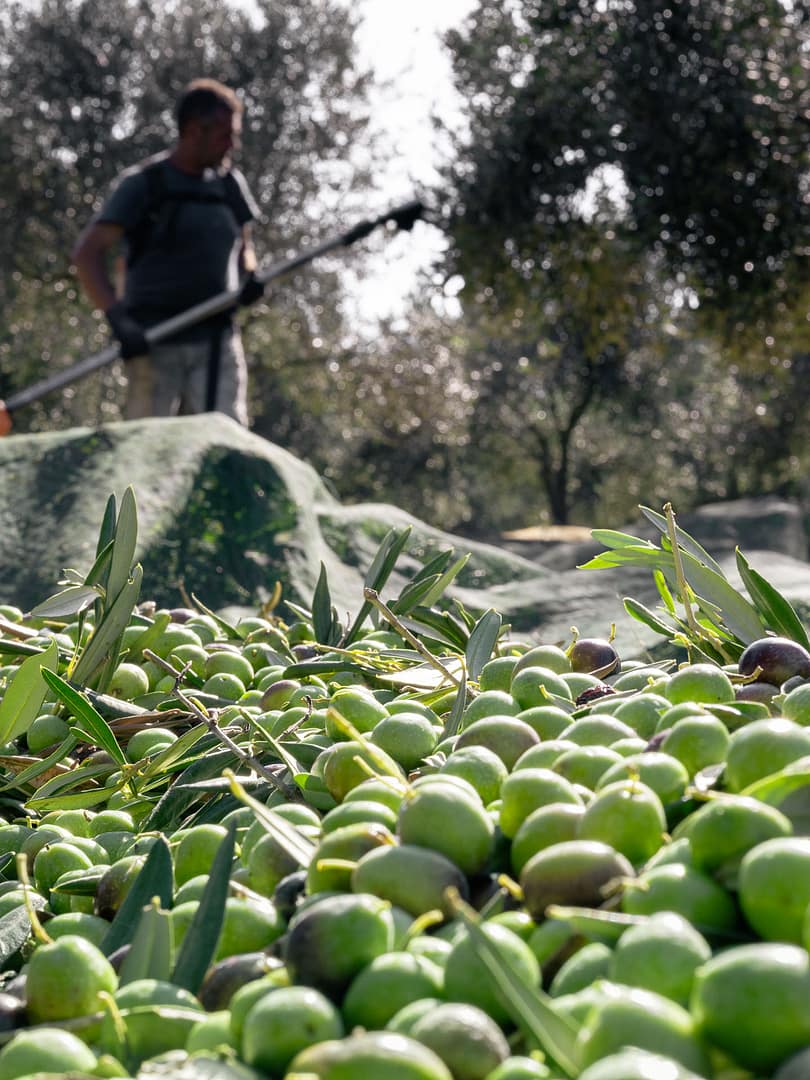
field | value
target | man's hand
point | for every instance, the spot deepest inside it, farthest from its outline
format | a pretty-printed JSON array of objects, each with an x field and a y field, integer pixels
[
  {"x": 5, "y": 420},
  {"x": 252, "y": 290},
  {"x": 130, "y": 334}
]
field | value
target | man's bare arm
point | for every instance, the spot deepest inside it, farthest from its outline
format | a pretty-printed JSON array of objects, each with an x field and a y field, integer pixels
[
  {"x": 90, "y": 256},
  {"x": 247, "y": 256}
]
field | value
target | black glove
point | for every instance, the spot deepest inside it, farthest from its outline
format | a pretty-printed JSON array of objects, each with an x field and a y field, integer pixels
[
  {"x": 251, "y": 290},
  {"x": 130, "y": 334}
]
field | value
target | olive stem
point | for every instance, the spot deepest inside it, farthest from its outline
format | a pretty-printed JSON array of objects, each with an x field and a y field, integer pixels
[
  {"x": 290, "y": 793},
  {"x": 347, "y": 728},
  {"x": 424, "y": 922},
  {"x": 119, "y": 1027},
  {"x": 36, "y": 926},
  {"x": 511, "y": 887}
]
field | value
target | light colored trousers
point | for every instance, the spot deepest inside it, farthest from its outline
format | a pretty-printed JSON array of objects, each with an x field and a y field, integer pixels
[{"x": 173, "y": 380}]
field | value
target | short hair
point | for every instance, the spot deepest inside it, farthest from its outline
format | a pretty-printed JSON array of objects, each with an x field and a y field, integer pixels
[{"x": 202, "y": 99}]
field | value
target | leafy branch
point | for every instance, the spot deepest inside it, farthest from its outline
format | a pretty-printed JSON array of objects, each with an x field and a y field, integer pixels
[{"x": 700, "y": 609}]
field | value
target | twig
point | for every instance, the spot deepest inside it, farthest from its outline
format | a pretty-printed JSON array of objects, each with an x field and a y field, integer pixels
[
  {"x": 291, "y": 793},
  {"x": 374, "y": 599},
  {"x": 701, "y": 633},
  {"x": 680, "y": 577}
]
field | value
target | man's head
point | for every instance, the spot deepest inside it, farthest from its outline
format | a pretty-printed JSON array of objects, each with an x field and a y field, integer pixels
[{"x": 209, "y": 121}]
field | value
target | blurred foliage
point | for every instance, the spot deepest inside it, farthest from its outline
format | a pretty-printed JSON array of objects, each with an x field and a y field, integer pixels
[
  {"x": 695, "y": 113},
  {"x": 627, "y": 211}
]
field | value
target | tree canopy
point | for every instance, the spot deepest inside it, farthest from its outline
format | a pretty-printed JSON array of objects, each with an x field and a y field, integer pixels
[{"x": 693, "y": 114}]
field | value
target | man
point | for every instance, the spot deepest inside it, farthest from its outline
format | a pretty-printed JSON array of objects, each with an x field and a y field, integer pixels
[{"x": 183, "y": 220}]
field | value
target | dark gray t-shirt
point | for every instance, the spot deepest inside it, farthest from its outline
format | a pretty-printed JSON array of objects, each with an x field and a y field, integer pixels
[{"x": 192, "y": 247}]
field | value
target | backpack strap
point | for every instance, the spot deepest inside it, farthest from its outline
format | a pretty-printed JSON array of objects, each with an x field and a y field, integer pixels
[
  {"x": 162, "y": 206},
  {"x": 138, "y": 236}
]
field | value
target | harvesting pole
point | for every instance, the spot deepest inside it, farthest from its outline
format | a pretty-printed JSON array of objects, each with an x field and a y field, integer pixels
[{"x": 403, "y": 217}]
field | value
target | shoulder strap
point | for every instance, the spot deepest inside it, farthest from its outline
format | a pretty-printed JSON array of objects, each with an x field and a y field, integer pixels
[
  {"x": 233, "y": 193},
  {"x": 156, "y": 192}
]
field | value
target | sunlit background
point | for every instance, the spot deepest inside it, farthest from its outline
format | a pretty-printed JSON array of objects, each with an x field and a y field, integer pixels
[{"x": 607, "y": 302}]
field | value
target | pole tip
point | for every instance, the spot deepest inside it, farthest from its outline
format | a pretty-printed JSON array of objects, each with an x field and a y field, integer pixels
[{"x": 406, "y": 215}]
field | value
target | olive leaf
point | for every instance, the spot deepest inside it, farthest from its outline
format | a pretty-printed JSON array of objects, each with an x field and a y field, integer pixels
[
  {"x": 227, "y": 628},
  {"x": 200, "y": 942},
  {"x": 684, "y": 540},
  {"x": 741, "y": 617},
  {"x": 15, "y": 928},
  {"x": 73, "y": 778},
  {"x": 41, "y": 766},
  {"x": 648, "y": 618},
  {"x": 81, "y": 800},
  {"x": 181, "y": 794},
  {"x": 719, "y": 620},
  {"x": 103, "y": 646},
  {"x": 22, "y": 648},
  {"x": 172, "y": 757},
  {"x": 156, "y": 879},
  {"x": 151, "y": 632},
  {"x": 453, "y": 723},
  {"x": 70, "y": 601},
  {"x": 150, "y": 954},
  {"x": 378, "y": 573},
  {"x": 595, "y": 924},
  {"x": 123, "y": 552},
  {"x": 325, "y": 622},
  {"x": 482, "y": 641},
  {"x": 414, "y": 594},
  {"x": 530, "y": 1008},
  {"x": 774, "y": 608},
  {"x": 25, "y": 694},
  {"x": 88, "y": 722},
  {"x": 286, "y": 835},
  {"x": 445, "y": 580},
  {"x": 441, "y": 626},
  {"x": 305, "y": 668},
  {"x": 85, "y": 884}
]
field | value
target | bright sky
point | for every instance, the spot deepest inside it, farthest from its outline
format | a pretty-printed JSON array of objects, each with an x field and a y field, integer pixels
[{"x": 401, "y": 42}]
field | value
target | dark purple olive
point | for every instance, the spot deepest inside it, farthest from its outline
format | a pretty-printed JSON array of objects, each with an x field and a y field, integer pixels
[
  {"x": 12, "y": 1012},
  {"x": 304, "y": 652},
  {"x": 224, "y": 978},
  {"x": 763, "y": 692},
  {"x": 118, "y": 957},
  {"x": 656, "y": 741},
  {"x": 778, "y": 659},
  {"x": 182, "y": 614},
  {"x": 288, "y": 892},
  {"x": 279, "y": 693},
  {"x": 594, "y": 656},
  {"x": 792, "y": 683}
]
